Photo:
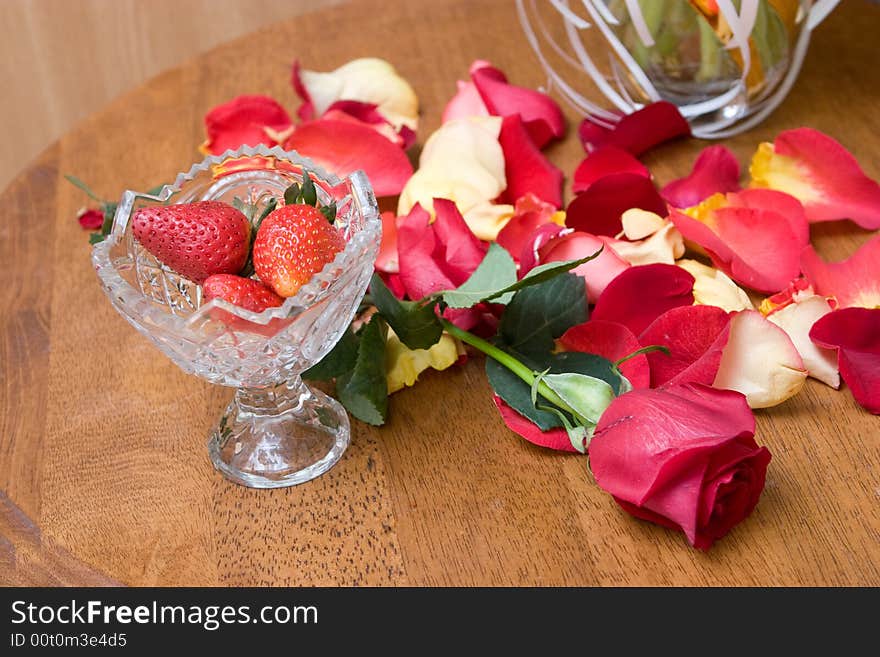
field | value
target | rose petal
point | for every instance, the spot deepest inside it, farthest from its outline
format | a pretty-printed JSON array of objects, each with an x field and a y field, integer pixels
[
  {"x": 464, "y": 104},
  {"x": 366, "y": 80},
  {"x": 525, "y": 167},
  {"x": 530, "y": 213},
  {"x": 760, "y": 361},
  {"x": 598, "y": 272},
  {"x": 639, "y": 295},
  {"x": 245, "y": 121},
  {"x": 386, "y": 260},
  {"x": 343, "y": 147},
  {"x": 796, "y": 319},
  {"x": 598, "y": 210},
  {"x": 821, "y": 173},
  {"x": 756, "y": 246},
  {"x": 695, "y": 337},
  {"x": 713, "y": 288},
  {"x": 663, "y": 454},
  {"x": 612, "y": 341},
  {"x": 541, "y": 116},
  {"x": 852, "y": 282},
  {"x": 665, "y": 246},
  {"x": 530, "y": 256},
  {"x": 486, "y": 220},
  {"x": 553, "y": 439},
  {"x": 367, "y": 114},
  {"x": 640, "y": 131},
  {"x": 855, "y": 332},
  {"x": 421, "y": 272},
  {"x": 799, "y": 288},
  {"x": 605, "y": 161},
  {"x": 461, "y": 161},
  {"x": 403, "y": 365},
  {"x": 639, "y": 224},
  {"x": 90, "y": 218},
  {"x": 715, "y": 170},
  {"x": 463, "y": 252}
]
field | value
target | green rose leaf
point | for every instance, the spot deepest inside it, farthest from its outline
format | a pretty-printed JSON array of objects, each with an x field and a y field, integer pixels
[
  {"x": 340, "y": 360},
  {"x": 539, "y": 314},
  {"x": 363, "y": 391},
  {"x": 414, "y": 322},
  {"x": 496, "y": 272}
]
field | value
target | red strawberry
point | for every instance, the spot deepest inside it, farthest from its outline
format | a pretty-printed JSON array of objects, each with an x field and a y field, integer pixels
[
  {"x": 243, "y": 292},
  {"x": 292, "y": 245},
  {"x": 195, "y": 239}
]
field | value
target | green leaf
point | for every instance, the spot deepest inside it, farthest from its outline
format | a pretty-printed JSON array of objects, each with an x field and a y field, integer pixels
[
  {"x": 96, "y": 237},
  {"x": 154, "y": 191},
  {"x": 329, "y": 211},
  {"x": 539, "y": 314},
  {"x": 414, "y": 322},
  {"x": 268, "y": 209},
  {"x": 340, "y": 360},
  {"x": 542, "y": 273},
  {"x": 496, "y": 272},
  {"x": 364, "y": 391},
  {"x": 586, "y": 395},
  {"x": 292, "y": 194},
  {"x": 73, "y": 180},
  {"x": 517, "y": 394},
  {"x": 309, "y": 194}
]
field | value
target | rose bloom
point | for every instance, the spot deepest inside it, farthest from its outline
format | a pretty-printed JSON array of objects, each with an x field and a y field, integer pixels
[{"x": 684, "y": 457}]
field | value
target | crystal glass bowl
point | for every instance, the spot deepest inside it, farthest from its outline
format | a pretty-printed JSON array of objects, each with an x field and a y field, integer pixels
[{"x": 276, "y": 431}]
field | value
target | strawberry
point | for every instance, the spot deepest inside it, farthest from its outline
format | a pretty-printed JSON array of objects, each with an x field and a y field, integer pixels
[
  {"x": 195, "y": 239},
  {"x": 295, "y": 241},
  {"x": 244, "y": 292}
]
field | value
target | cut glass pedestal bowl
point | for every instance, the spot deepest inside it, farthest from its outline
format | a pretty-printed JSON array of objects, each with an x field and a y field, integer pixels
[{"x": 276, "y": 431}]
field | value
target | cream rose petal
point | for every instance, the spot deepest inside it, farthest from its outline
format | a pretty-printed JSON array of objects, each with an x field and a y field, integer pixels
[
  {"x": 487, "y": 219},
  {"x": 663, "y": 246},
  {"x": 366, "y": 80},
  {"x": 760, "y": 361},
  {"x": 797, "y": 319},
  {"x": 639, "y": 224},
  {"x": 403, "y": 365},
  {"x": 713, "y": 287}
]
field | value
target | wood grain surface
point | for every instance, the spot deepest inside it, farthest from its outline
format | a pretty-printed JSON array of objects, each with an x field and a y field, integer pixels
[{"x": 103, "y": 468}]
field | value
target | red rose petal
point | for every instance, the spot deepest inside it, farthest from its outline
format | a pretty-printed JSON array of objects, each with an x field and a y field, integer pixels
[
  {"x": 855, "y": 333},
  {"x": 603, "y": 162},
  {"x": 421, "y": 273},
  {"x": 90, "y": 218},
  {"x": 529, "y": 257},
  {"x": 640, "y": 131},
  {"x": 463, "y": 252},
  {"x": 386, "y": 260},
  {"x": 641, "y": 294},
  {"x": 343, "y": 147},
  {"x": 612, "y": 341},
  {"x": 695, "y": 337},
  {"x": 367, "y": 114},
  {"x": 393, "y": 283},
  {"x": 715, "y": 170},
  {"x": 306, "y": 111},
  {"x": 841, "y": 190},
  {"x": 853, "y": 282},
  {"x": 526, "y": 168},
  {"x": 529, "y": 214},
  {"x": 243, "y": 121},
  {"x": 682, "y": 456},
  {"x": 464, "y": 104},
  {"x": 598, "y": 272},
  {"x": 598, "y": 210},
  {"x": 540, "y": 114},
  {"x": 553, "y": 439}
]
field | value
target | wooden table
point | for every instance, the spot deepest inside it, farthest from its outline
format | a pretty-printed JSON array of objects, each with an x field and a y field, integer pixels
[{"x": 103, "y": 467}]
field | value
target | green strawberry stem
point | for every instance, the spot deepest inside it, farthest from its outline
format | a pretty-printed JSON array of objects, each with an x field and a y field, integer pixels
[{"x": 525, "y": 373}]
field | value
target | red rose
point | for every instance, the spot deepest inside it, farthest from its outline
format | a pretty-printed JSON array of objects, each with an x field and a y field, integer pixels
[{"x": 684, "y": 457}]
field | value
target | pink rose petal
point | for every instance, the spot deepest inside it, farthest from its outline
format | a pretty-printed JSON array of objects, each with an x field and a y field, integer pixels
[
  {"x": 715, "y": 170},
  {"x": 540, "y": 114},
  {"x": 526, "y": 168},
  {"x": 598, "y": 210},
  {"x": 367, "y": 114},
  {"x": 553, "y": 439},
  {"x": 639, "y": 295},
  {"x": 90, "y": 218},
  {"x": 306, "y": 111},
  {"x": 640, "y": 131},
  {"x": 530, "y": 256},
  {"x": 343, "y": 147},
  {"x": 387, "y": 261},
  {"x": 695, "y": 337},
  {"x": 598, "y": 272},
  {"x": 822, "y": 174},
  {"x": 245, "y": 121},
  {"x": 465, "y": 103},
  {"x": 612, "y": 341},
  {"x": 605, "y": 161},
  {"x": 529, "y": 214},
  {"x": 463, "y": 251},
  {"x": 855, "y": 333},
  {"x": 852, "y": 282}
]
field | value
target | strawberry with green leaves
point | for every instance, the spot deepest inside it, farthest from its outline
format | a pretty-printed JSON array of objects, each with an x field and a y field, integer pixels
[
  {"x": 196, "y": 240},
  {"x": 296, "y": 240}
]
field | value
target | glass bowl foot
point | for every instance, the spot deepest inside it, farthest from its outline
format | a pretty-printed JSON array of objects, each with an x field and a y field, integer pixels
[{"x": 280, "y": 436}]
